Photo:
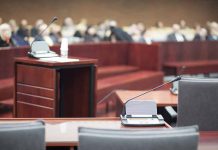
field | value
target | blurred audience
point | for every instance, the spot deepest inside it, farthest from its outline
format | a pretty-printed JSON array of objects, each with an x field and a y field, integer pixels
[{"x": 13, "y": 35}]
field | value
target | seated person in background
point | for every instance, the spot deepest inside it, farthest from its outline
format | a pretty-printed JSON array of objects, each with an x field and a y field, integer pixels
[
  {"x": 200, "y": 35},
  {"x": 68, "y": 29},
  {"x": 35, "y": 29},
  {"x": 90, "y": 35},
  {"x": 45, "y": 36},
  {"x": 176, "y": 35},
  {"x": 5, "y": 35},
  {"x": 55, "y": 33},
  {"x": 187, "y": 31},
  {"x": 81, "y": 28},
  {"x": 117, "y": 34},
  {"x": 213, "y": 31},
  {"x": 23, "y": 30}
]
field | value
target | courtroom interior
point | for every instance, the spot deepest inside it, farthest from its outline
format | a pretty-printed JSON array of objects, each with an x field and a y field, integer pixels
[{"x": 100, "y": 74}]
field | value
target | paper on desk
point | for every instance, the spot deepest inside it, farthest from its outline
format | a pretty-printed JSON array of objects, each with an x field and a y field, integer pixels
[
  {"x": 141, "y": 107},
  {"x": 59, "y": 59}
]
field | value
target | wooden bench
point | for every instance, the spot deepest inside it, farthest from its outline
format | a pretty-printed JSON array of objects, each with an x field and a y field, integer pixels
[
  {"x": 108, "y": 71},
  {"x": 191, "y": 67},
  {"x": 132, "y": 81},
  {"x": 197, "y": 57}
]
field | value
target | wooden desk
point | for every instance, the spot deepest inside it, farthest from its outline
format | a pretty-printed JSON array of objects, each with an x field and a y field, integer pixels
[
  {"x": 162, "y": 98},
  {"x": 45, "y": 89},
  {"x": 62, "y": 132}
]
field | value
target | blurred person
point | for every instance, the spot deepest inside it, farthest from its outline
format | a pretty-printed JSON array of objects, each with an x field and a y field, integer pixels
[
  {"x": 81, "y": 28},
  {"x": 187, "y": 31},
  {"x": 68, "y": 29},
  {"x": 101, "y": 30},
  {"x": 159, "y": 24},
  {"x": 45, "y": 36},
  {"x": 23, "y": 30},
  {"x": 55, "y": 33},
  {"x": 182, "y": 24},
  {"x": 91, "y": 35},
  {"x": 13, "y": 25},
  {"x": 35, "y": 30},
  {"x": 201, "y": 35},
  {"x": 135, "y": 32},
  {"x": 213, "y": 31},
  {"x": 5, "y": 35},
  {"x": 117, "y": 34},
  {"x": 176, "y": 35},
  {"x": 146, "y": 38}
]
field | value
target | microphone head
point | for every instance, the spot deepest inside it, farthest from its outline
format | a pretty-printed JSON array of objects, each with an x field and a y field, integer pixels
[{"x": 176, "y": 79}]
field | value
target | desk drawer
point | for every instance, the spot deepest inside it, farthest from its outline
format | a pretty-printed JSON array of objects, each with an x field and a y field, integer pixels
[
  {"x": 36, "y": 100},
  {"x": 35, "y": 90},
  {"x": 34, "y": 111},
  {"x": 36, "y": 76}
]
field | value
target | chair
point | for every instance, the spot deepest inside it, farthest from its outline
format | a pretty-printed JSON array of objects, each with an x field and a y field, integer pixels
[
  {"x": 22, "y": 136},
  {"x": 198, "y": 103},
  {"x": 155, "y": 139}
]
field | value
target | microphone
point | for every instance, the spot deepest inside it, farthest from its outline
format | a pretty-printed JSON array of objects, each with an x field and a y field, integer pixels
[
  {"x": 157, "y": 87},
  {"x": 123, "y": 113},
  {"x": 174, "y": 88},
  {"x": 39, "y": 34}
]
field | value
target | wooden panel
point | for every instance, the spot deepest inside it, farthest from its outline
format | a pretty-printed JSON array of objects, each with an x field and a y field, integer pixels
[
  {"x": 34, "y": 90},
  {"x": 7, "y": 55},
  {"x": 36, "y": 100},
  {"x": 75, "y": 92},
  {"x": 144, "y": 56},
  {"x": 34, "y": 111},
  {"x": 189, "y": 51},
  {"x": 37, "y": 76},
  {"x": 107, "y": 53}
]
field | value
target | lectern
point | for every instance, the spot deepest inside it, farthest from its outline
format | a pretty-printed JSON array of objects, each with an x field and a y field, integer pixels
[{"x": 45, "y": 89}]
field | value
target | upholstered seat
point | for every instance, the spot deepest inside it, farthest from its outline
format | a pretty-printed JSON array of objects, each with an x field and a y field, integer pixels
[
  {"x": 155, "y": 139},
  {"x": 198, "y": 103},
  {"x": 22, "y": 136}
]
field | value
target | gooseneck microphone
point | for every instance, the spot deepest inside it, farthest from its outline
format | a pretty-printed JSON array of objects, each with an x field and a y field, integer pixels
[
  {"x": 157, "y": 87},
  {"x": 177, "y": 78},
  {"x": 51, "y": 22}
]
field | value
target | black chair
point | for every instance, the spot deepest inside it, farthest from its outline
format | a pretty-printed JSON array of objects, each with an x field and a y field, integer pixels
[
  {"x": 22, "y": 136},
  {"x": 198, "y": 103},
  {"x": 155, "y": 139}
]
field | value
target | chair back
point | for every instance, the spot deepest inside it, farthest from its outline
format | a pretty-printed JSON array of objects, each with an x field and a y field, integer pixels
[
  {"x": 198, "y": 103},
  {"x": 155, "y": 139},
  {"x": 22, "y": 136}
]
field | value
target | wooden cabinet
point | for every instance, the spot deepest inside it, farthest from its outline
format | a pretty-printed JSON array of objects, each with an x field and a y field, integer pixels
[{"x": 53, "y": 89}]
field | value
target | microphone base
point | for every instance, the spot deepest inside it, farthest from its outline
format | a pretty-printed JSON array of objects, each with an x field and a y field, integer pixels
[{"x": 142, "y": 120}]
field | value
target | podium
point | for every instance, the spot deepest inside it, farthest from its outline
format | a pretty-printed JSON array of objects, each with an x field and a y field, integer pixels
[{"x": 46, "y": 89}]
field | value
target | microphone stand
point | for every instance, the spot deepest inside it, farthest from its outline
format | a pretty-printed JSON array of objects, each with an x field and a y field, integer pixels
[
  {"x": 157, "y": 87},
  {"x": 52, "y": 21}
]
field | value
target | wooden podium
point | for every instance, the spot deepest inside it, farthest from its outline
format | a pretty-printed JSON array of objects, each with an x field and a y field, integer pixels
[{"x": 45, "y": 89}]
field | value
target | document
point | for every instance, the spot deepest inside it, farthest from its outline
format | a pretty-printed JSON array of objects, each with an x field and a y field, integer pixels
[{"x": 59, "y": 59}]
